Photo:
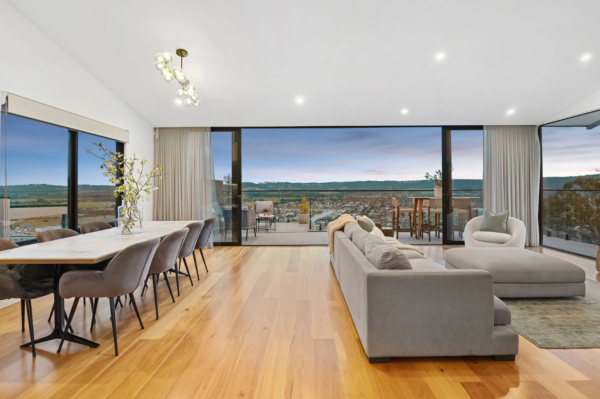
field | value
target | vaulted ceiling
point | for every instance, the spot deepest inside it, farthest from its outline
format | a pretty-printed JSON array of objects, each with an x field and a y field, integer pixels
[{"x": 354, "y": 62}]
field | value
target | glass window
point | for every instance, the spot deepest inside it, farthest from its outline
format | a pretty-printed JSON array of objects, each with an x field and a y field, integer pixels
[
  {"x": 571, "y": 189},
  {"x": 338, "y": 170},
  {"x": 35, "y": 159},
  {"x": 95, "y": 193}
]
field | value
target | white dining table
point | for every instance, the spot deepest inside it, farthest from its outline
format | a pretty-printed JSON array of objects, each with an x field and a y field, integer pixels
[{"x": 82, "y": 249}]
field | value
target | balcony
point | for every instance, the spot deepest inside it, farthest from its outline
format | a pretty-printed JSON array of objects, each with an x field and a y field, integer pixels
[
  {"x": 571, "y": 221},
  {"x": 328, "y": 205}
]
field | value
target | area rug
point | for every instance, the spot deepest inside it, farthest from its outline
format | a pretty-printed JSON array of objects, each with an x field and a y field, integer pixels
[{"x": 559, "y": 323}]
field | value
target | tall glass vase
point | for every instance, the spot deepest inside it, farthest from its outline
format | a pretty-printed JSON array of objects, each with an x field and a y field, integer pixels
[{"x": 131, "y": 217}]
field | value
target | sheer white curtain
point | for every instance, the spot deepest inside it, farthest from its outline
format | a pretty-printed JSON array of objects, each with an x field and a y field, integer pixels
[
  {"x": 511, "y": 174},
  {"x": 187, "y": 190}
]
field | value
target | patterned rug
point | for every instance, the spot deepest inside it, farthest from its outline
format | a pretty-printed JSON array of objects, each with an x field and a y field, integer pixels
[{"x": 555, "y": 323}]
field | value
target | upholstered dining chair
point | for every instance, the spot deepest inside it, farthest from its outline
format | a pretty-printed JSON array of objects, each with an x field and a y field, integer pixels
[
  {"x": 15, "y": 283},
  {"x": 51, "y": 235},
  {"x": 203, "y": 241},
  {"x": 58, "y": 234},
  {"x": 125, "y": 272},
  {"x": 164, "y": 259},
  {"x": 188, "y": 247},
  {"x": 92, "y": 227}
]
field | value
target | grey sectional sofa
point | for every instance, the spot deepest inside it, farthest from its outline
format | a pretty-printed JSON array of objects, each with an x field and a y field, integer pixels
[{"x": 427, "y": 311}]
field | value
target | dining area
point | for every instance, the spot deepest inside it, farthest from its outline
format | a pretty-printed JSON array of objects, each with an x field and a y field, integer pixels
[
  {"x": 420, "y": 218},
  {"x": 94, "y": 276}
]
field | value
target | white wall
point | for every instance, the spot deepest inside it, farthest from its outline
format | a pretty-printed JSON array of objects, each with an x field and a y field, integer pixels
[
  {"x": 33, "y": 66},
  {"x": 588, "y": 104}
]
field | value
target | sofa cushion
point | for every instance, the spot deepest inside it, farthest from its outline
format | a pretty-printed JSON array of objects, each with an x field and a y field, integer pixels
[
  {"x": 359, "y": 238},
  {"x": 426, "y": 265},
  {"x": 384, "y": 257},
  {"x": 350, "y": 228},
  {"x": 515, "y": 265},
  {"x": 490, "y": 236},
  {"x": 410, "y": 254},
  {"x": 495, "y": 223},
  {"x": 501, "y": 313},
  {"x": 365, "y": 223},
  {"x": 377, "y": 233}
]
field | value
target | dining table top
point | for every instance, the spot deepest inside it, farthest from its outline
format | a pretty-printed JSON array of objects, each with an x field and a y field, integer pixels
[{"x": 87, "y": 248}]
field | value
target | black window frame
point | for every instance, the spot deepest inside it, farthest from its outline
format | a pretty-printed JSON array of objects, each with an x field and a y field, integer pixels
[
  {"x": 72, "y": 173},
  {"x": 237, "y": 166}
]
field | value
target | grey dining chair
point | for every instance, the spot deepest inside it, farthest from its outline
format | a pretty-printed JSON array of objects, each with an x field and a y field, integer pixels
[
  {"x": 188, "y": 247},
  {"x": 203, "y": 241},
  {"x": 24, "y": 282},
  {"x": 58, "y": 234},
  {"x": 92, "y": 227},
  {"x": 164, "y": 259},
  {"x": 122, "y": 276}
]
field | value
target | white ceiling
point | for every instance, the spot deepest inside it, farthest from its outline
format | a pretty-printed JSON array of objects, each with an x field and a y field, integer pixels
[{"x": 355, "y": 62}]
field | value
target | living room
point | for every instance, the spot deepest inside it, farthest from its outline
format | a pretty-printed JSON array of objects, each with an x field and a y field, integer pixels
[{"x": 299, "y": 199}]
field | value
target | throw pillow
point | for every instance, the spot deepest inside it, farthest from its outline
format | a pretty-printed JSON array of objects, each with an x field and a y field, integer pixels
[
  {"x": 378, "y": 233},
  {"x": 385, "y": 257},
  {"x": 366, "y": 223},
  {"x": 495, "y": 223}
]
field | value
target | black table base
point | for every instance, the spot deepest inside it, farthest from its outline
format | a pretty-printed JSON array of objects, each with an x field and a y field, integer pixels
[{"x": 59, "y": 319}]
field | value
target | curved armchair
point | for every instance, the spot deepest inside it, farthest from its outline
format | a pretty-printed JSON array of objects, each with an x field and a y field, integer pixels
[{"x": 514, "y": 237}]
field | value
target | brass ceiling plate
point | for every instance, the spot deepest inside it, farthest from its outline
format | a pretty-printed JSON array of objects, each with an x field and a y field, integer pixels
[{"x": 181, "y": 52}]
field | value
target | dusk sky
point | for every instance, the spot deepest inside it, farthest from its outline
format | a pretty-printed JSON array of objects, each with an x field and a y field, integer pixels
[
  {"x": 347, "y": 154},
  {"x": 570, "y": 151},
  {"x": 38, "y": 153}
]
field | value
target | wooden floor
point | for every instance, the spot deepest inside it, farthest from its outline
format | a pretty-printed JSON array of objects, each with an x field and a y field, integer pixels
[{"x": 266, "y": 322}]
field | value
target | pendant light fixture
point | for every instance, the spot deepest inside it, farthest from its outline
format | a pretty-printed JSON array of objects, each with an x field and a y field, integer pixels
[{"x": 187, "y": 90}]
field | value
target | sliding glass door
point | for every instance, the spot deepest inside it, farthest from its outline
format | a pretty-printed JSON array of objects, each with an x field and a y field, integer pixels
[
  {"x": 227, "y": 184},
  {"x": 462, "y": 180}
]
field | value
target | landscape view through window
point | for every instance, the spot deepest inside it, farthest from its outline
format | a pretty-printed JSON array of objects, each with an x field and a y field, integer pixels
[
  {"x": 36, "y": 156},
  {"x": 347, "y": 170}
]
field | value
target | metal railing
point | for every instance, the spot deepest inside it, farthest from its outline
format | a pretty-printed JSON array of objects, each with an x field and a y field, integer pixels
[{"x": 328, "y": 205}]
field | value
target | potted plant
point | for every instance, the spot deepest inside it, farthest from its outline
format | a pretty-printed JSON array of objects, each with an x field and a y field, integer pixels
[
  {"x": 304, "y": 208},
  {"x": 266, "y": 211},
  {"x": 131, "y": 184},
  {"x": 436, "y": 179}
]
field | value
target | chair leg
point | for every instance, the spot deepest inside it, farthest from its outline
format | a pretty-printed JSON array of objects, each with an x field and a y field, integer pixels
[
  {"x": 94, "y": 309},
  {"x": 169, "y": 286},
  {"x": 30, "y": 322},
  {"x": 145, "y": 286},
  {"x": 137, "y": 312},
  {"x": 22, "y": 315},
  {"x": 51, "y": 313},
  {"x": 66, "y": 318},
  {"x": 69, "y": 320},
  {"x": 188, "y": 271},
  {"x": 177, "y": 277},
  {"x": 113, "y": 319},
  {"x": 155, "y": 284},
  {"x": 196, "y": 264},
  {"x": 203, "y": 260}
]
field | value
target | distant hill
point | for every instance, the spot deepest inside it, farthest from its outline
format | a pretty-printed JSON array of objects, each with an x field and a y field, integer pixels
[
  {"x": 558, "y": 182},
  {"x": 458, "y": 184}
]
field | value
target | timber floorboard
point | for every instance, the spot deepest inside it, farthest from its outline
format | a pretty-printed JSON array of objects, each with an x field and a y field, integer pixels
[{"x": 265, "y": 322}]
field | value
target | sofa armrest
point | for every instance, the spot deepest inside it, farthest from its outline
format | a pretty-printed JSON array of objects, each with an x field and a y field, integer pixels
[{"x": 413, "y": 313}]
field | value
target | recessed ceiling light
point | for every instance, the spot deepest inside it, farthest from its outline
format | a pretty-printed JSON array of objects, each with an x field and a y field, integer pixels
[
  {"x": 299, "y": 100},
  {"x": 510, "y": 111},
  {"x": 440, "y": 56},
  {"x": 404, "y": 111},
  {"x": 585, "y": 57},
  {"x": 179, "y": 101}
]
